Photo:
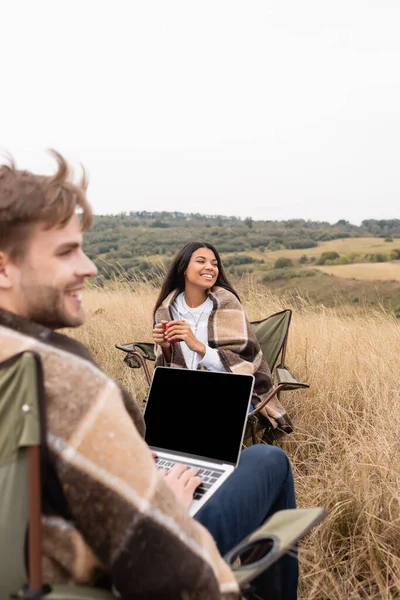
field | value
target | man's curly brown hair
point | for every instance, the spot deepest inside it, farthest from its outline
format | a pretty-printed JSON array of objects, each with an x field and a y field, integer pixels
[{"x": 27, "y": 199}]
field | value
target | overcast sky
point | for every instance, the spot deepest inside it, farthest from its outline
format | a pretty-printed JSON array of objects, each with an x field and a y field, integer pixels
[{"x": 270, "y": 109}]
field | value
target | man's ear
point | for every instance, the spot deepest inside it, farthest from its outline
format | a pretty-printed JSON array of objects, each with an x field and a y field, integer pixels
[{"x": 5, "y": 271}]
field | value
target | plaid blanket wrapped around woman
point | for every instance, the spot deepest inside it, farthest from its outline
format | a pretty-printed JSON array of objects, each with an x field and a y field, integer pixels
[{"x": 230, "y": 332}]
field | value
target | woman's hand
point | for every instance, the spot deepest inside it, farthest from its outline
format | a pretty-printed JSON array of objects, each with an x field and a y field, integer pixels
[
  {"x": 181, "y": 331},
  {"x": 182, "y": 481},
  {"x": 159, "y": 334}
]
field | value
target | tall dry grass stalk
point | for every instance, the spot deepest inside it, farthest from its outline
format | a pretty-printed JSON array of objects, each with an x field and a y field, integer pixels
[{"x": 345, "y": 450}]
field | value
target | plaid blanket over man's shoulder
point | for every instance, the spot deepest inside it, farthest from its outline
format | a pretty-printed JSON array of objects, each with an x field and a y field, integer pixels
[
  {"x": 231, "y": 333},
  {"x": 110, "y": 513}
]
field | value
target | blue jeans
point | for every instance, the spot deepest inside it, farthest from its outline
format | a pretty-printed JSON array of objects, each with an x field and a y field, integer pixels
[{"x": 261, "y": 485}]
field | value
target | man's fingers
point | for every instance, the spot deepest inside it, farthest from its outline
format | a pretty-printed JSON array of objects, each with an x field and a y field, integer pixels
[
  {"x": 184, "y": 474},
  {"x": 193, "y": 484},
  {"x": 182, "y": 481},
  {"x": 177, "y": 470},
  {"x": 187, "y": 475}
]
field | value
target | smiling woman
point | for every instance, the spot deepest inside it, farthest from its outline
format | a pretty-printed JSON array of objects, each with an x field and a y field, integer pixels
[
  {"x": 199, "y": 321},
  {"x": 184, "y": 306}
]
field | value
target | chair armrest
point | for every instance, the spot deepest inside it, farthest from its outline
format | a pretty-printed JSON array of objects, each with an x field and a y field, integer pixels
[
  {"x": 268, "y": 543},
  {"x": 285, "y": 381},
  {"x": 145, "y": 349},
  {"x": 288, "y": 380}
]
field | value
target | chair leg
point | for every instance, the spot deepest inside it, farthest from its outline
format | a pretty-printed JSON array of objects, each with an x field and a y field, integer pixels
[{"x": 142, "y": 361}]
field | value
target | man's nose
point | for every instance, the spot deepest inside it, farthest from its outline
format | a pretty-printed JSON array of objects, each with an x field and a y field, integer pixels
[{"x": 86, "y": 268}]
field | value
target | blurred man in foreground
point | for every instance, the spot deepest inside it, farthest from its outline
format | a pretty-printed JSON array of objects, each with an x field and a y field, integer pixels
[{"x": 110, "y": 518}]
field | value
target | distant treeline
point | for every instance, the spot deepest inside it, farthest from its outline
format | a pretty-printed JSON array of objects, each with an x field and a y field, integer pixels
[{"x": 131, "y": 240}]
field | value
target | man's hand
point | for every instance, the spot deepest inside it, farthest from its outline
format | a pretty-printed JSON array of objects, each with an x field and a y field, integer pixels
[
  {"x": 180, "y": 330},
  {"x": 159, "y": 334},
  {"x": 182, "y": 481}
]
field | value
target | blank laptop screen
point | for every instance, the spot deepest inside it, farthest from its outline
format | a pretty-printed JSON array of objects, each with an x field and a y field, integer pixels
[{"x": 198, "y": 412}]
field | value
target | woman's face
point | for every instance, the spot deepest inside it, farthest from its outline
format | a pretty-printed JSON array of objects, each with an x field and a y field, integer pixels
[{"x": 202, "y": 270}]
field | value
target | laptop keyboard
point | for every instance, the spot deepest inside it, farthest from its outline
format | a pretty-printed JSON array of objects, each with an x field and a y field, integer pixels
[{"x": 208, "y": 476}]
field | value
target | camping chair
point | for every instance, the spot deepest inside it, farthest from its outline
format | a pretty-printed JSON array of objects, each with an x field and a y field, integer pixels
[
  {"x": 272, "y": 335},
  {"x": 21, "y": 432}
]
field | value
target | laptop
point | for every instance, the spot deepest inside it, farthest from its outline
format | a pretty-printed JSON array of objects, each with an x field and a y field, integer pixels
[{"x": 198, "y": 418}]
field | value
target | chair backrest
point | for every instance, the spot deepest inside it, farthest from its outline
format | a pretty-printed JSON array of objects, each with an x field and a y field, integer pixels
[
  {"x": 20, "y": 385},
  {"x": 272, "y": 335}
]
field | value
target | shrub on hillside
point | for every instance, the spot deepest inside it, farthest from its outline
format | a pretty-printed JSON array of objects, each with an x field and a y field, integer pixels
[
  {"x": 378, "y": 257},
  {"x": 342, "y": 260},
  {"x": 297, "y": 244},
  {"x": 239, "y": 259},
  {"x": 159, "y": 224},
  {"x": 283, "y": 262},
  {"x": 323, "y": 236},
  {"x": 355, "y": 257},
  {"x": 277, "y": 274},
  {"x": 273, "y": 245},
  {"x": 325, "y": 256},
  {"x": 241, "y": 269}
]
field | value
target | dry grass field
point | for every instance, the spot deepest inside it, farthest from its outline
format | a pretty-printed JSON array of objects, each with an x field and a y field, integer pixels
[
  {"x": 345, "y": 450},
  {"x": 366, "y": 271}
]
